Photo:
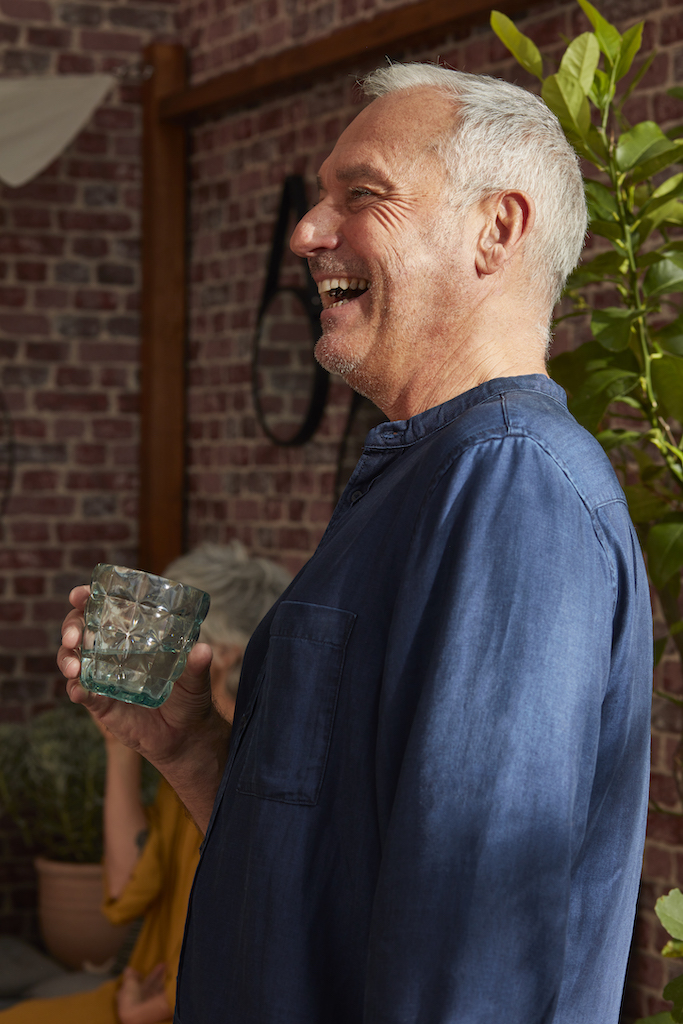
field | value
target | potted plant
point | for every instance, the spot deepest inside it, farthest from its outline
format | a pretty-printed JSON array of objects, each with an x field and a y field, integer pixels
[{"x": 52, "y": 775}]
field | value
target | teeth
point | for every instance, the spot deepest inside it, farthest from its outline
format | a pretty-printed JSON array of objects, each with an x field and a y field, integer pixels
[{"x": 354, "y": 283}]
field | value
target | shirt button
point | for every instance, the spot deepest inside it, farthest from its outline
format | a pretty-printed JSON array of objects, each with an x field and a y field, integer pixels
[{"x": 356, "y": 495}]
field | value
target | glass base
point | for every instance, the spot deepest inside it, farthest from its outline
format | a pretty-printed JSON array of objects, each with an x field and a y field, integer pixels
[
  {"x": 132, "y": 677},
  {"x": 110, "y": 690}
]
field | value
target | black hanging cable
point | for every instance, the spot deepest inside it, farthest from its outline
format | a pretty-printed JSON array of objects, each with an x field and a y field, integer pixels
[{"x": 293, "y": 199}]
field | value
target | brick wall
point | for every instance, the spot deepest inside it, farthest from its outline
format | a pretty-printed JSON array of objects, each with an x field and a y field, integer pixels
[
  {"x": 69, "y": 280},
  {"x": 69, "y": 332}
]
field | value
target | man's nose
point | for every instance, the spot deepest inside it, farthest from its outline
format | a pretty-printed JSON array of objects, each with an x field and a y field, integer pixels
[{"x": 318, "y": 229}]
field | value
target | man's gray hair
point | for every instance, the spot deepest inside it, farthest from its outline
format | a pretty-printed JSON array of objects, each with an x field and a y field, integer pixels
[
  {"x": 505, "y": 138},
  {"x": 241, "y": 588}
]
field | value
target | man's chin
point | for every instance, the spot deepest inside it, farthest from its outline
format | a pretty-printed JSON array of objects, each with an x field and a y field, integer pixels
[{"x": 333, "y": 357}]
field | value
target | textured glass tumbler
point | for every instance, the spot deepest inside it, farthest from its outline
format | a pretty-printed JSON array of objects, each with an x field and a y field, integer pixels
[{"x": 139, "y": 629}]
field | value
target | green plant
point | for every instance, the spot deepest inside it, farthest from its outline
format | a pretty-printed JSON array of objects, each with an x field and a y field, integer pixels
[
  {"x": 626, "y": 385},
  {"x": 52, "y": 773}
]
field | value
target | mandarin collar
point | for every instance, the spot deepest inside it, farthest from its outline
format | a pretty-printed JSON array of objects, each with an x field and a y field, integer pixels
[{"x": 400, "y": 433}]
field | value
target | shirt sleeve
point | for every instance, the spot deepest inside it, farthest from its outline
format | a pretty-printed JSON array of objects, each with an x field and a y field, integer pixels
[{"x": 496, "y": 675}]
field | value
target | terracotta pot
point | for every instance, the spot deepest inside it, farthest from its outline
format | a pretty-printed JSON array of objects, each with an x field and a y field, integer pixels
[{"x": 73, "y": 927}]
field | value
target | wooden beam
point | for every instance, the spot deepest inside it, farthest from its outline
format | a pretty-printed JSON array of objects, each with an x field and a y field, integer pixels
[
  {"x": 385, "y": 34},
  {"x": 162, "y": 460}
]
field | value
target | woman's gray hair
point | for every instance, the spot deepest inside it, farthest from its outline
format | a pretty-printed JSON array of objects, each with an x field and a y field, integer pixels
[
  {"x": 503, "y": 137},
  {"x": 241, "y": 588}
]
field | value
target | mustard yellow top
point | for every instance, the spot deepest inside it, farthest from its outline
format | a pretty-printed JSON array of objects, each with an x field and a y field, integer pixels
[{"x": 159, "y": 889}]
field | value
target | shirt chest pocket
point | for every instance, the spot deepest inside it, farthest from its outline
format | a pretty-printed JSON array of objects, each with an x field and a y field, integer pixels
[{"x": 289, "y": 734}]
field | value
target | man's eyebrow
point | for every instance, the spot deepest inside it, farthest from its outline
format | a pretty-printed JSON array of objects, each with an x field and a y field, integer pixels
[
  {"x": 356, "y": 171},
  {"x": 366, "y": 171}
]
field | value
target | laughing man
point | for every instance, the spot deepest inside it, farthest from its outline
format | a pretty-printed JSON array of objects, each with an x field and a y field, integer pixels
[{"x": 432, "y": 806}]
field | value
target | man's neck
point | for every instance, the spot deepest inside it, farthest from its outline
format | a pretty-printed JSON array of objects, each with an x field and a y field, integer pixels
[{"x": 440, "y": 377}]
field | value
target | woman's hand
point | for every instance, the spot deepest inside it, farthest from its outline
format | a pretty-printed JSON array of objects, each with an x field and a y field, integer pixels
[{"x": 143, "y": 1000}]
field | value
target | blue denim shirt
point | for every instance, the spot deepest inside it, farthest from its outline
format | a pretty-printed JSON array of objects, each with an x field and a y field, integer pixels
[{"x": 434, "y": 805}]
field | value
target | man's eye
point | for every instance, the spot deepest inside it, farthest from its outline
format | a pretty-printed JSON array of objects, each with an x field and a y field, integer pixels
[{"x": 359, "y": 193}]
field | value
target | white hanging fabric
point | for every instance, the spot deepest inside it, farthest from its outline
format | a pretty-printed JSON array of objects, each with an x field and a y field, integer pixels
[{"x": 39, "y": 116}]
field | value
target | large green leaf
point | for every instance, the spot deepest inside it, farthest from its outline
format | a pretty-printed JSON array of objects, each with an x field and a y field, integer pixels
[
  {"x": 669, "y": 910},
  {"x": 668, "y": 212},
  {"x": 635, "y": 145},
  {"x": 580, "y": 60},
  {"x": 644, "y": 504},
  {"x": 664, "y": 548},
  {"x": 658, "y": 159},
  {"x": 666, "y": 276},
  {"x": 671, "y": 337},
  {"x": 602, "y": 202},
  {"x": 571, "y": 369},
  {"x": 608, "y": 37},
  {"x": 610, "y": 439},
  {"x": 630, "y": 44},
  {"x": 667, "y": 378},
  {"x": 590, "y": 402},
  {"x": 606, "y": 265},
  {"x": 606, "y": 229},
  {"x": 519, "y": 45},
  {"x": 568, "y": 102},
  {"x": 612, "y": 327},
  {"x": 674, "y": 992}
]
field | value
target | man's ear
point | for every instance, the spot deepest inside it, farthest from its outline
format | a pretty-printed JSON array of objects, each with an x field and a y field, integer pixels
[{"x": 509, "y": 217}]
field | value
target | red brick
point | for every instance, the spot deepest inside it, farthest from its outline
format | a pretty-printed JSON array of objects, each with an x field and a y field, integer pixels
[
  {"x": 23, "y": 639},
  {"x": 114, "y": 119},
  {"x": 34, "y": 245},
  {"x": 43, "y": 506},
  {"x": 105, "y": 352},
  {"x": 92, "y": 481},
  {"x": 89, "y": 454},
  {"x": 101, "y": 41},
  {"x": 54, "y": 38},
  {"x": 39, "y": 480},
  {"x": 23, "y": 323},
  {"x": 30, "y": 533},
  {"x": 11, "y": 611},
  {"x": 26, "y": 10},
  {"x": 92, "y": 531},
  {"x": 30, "y": 217},
  {"x": 90, "y": 247},
  {"x": 29, "y": 586},
  {"x": 75, "y": 220},
  {"x": 95, "y": 299},
  {"x": 29, "y": 428},
  {"x": 91, "y": 142},
  {"x": 74, "y": 376},
  {"x": 12, "y": 297},
  {"x": 51, "y": 298},
  {"x": 47, "y": 351},
  {"x": 75, "y": 64},
  {"x": 71, "y": 402},
  {"x": 31, "y": 271}
]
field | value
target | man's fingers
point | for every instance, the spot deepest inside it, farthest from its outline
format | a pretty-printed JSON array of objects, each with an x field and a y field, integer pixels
[
  {"x": 78, "y": 597},
  {"x": 195, "y": 676}
]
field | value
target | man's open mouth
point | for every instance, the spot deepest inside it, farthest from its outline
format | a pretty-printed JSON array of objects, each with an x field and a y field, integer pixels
[{"x": 336, "y": 291}]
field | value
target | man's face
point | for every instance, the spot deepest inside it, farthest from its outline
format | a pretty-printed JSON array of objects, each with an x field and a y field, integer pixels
[{"x": 382, "y": 244}]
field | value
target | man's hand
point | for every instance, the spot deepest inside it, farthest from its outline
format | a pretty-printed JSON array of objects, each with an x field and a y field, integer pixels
[
  {"x": 143, "y": 1000},
  {"x": 185, "y": 737}
]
